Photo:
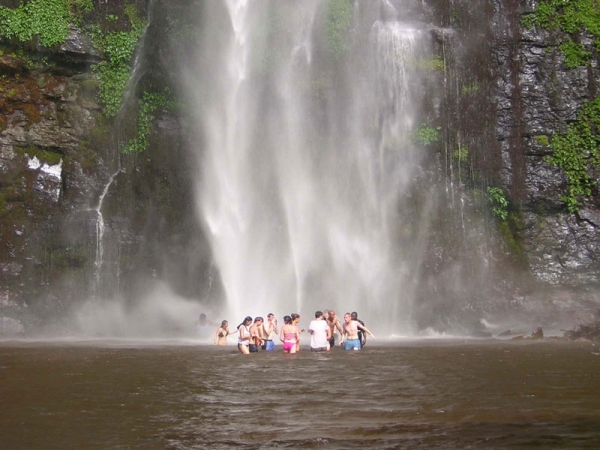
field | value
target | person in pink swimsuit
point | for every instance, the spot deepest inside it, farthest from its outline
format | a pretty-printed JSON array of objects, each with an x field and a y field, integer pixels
[
  {"x": 295, "y": 320},
  {"x": 289, "y": 335}
]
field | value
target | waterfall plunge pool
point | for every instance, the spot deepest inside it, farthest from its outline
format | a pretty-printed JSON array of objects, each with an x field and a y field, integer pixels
[{"x": 407, "y": 394}]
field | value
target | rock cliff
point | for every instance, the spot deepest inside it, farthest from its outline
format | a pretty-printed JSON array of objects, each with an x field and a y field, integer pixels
[{"x": 506, "y": 92}]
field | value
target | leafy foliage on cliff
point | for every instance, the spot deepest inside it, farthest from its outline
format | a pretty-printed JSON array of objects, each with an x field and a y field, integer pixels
[
  {"x": 498, "y": 202},
  {"x": 571, "y": 17},
  {"x": 49, "y": 21},
  {"x": 118, "y": 47},
  {"x": 576, "y": 151},
  {"x": 46, "y": 19},
  {"x": 148, "y": 105}
]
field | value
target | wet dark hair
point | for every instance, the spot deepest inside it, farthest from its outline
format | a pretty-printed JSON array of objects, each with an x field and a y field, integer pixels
[
  {"x": 318, "y": 314},
  {"x": 295, "y": 316},
  {"x": 287, "y": 320},
  {"x": 248, "y": 318},
  {"x": 270, "y": 315},
  {"x": 257, "y": 318},
  {"x": 223, "y": 323}
]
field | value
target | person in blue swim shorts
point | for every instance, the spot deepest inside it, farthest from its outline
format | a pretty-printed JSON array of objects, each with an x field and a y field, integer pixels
[
  {"x": 270, "y": 331},
  {"x": 350, "y": 340}
]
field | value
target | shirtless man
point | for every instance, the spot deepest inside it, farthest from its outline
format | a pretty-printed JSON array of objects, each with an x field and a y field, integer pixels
[
  {"x": 350, "y": 339},
  {"x": 270, "y": 330},
  {"x": 258, "y": 334},
  {"x": 334, "y": 323}
]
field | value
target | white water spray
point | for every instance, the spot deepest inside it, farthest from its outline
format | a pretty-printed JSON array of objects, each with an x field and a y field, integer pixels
[{"x": 305, "y": 159}]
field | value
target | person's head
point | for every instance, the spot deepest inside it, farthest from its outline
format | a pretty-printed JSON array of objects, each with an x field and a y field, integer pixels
[
  {"x": 224, "y": 324},
  {"x": 331, "y": 314},
  {"x": 318, "y": 314},
  {"x": 287, "y": 320},
  {"x": 202, "y": 318},
  {"x": 247, "y": 321},
  {"x": 295, "y": 317},
  {"x": 354, "y": 315},
  {"x": 270, "y": 317},
  {"x": 258, "y": 320},
  {"x": 347, "y": 317}
]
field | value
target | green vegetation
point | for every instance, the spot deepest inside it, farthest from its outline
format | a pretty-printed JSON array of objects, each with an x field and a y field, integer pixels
[
  {"x": 45, "y": 156},
  {"x": 498, "y": 202},
  {"x": 542, "y": 139},
  {"x": 46, "y": 19},
  {"x": 461, "y": 154},
  {"x": 113, "y": 81},
  {"x": 569, "y": 16},
  {"x": 114, "y": 73},
  {"x": 577, "y": 151},
  {"x": 575, "y": 54},
  {"x": 339, "y": 20},
  {"x": 49, "y": 20},
  {"x": 470, "y": 89},
  {"x": 429, "y": 64},
  {"x": 148, "y": 106},
  {"x": 426, "y": 135},
  {"x": 510, "y": 229},
  {"x": 82, "y": 5}
]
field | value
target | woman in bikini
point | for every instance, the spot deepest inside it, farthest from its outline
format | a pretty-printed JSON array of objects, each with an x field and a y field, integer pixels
[
  {"x": 220, "y": 337},
  {"x": 289, "y": 335},
  {"x": 295, "y": 319},
  {"x": 244, "y": 336}
]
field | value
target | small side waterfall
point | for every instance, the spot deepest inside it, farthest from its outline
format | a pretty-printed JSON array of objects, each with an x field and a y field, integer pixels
[
  {"x": 307, "y": 158},
  {"x": 100, "y": 232}
]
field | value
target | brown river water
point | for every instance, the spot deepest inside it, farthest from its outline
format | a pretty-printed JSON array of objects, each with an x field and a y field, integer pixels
[{"x": 417, "y": 394}]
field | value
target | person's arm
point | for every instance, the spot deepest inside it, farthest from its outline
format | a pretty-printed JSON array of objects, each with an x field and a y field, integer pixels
[
  {"x": 365, "y": 329},
  {"x": 281, "y": 334},
  {"x": 216, "y": 337},
  {"x": 338, "y": 326},
  {"x": 343, "y": 334},
  {"x": 329, "y": 333},
  {"x": 297, "y": 335}
]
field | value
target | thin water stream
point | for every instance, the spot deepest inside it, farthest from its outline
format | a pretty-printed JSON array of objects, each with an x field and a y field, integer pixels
[{"x": 157, "y": 395}]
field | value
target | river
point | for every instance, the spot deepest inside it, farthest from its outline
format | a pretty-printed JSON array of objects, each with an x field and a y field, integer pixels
[{"x": 403, "y": 394}]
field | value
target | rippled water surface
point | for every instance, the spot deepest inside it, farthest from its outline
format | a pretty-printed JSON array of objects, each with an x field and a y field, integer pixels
[{"x": 406, "y": 395}]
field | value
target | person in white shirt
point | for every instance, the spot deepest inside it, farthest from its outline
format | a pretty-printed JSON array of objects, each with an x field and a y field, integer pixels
[{"x": 320, "y": 333}]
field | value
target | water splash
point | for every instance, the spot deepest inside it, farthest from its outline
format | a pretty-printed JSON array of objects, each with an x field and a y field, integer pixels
[{"x": 305, "y": 160}]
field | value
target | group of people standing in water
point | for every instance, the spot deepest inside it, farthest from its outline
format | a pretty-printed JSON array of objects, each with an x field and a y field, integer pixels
[{"x": 255, "y": 334}]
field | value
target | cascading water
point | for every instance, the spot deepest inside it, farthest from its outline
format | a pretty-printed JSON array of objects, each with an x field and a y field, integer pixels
[{"x": 306, "y": 155}]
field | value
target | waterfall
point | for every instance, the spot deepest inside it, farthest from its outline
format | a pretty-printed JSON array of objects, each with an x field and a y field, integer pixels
[
  {"x": 100, "y": 232},
  {"x": 306, "y": 157}
]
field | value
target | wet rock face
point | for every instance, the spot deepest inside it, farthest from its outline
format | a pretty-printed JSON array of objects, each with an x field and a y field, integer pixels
[
  {"x": 537, "y": 96},
  {"x": 58, "y": 158},
  {"x": 45, "y": 115}
]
